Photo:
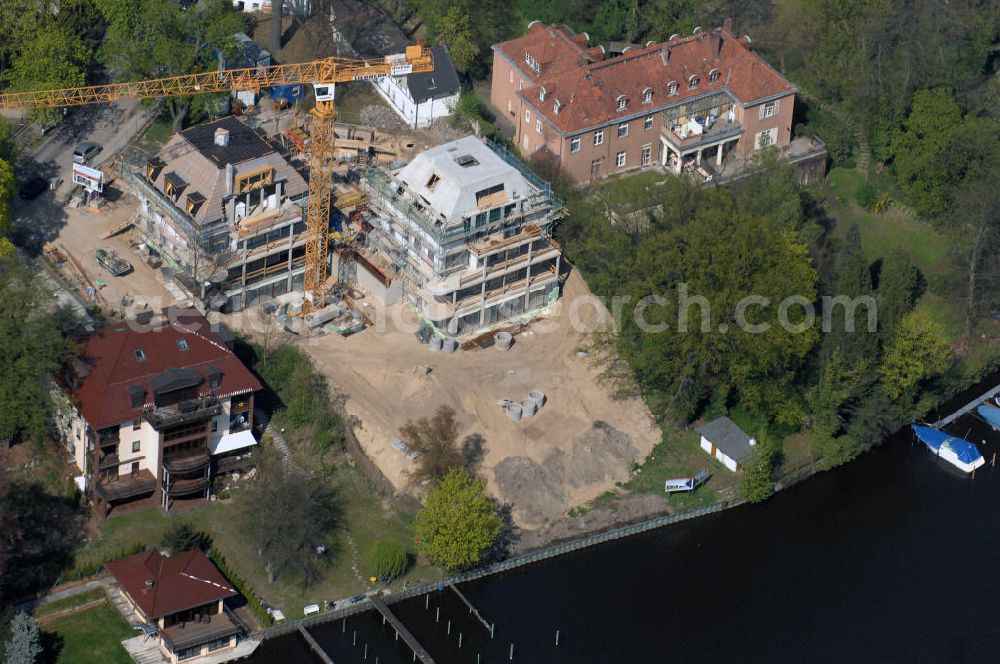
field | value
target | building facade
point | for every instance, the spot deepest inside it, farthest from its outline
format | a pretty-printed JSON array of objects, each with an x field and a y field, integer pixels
[
  {"x": 157, "y": 411},
  {"x": 680, "y": 104},
  {"x": 466, "y": 228},
  {"x": 181, "y": 599},
  {"x": 420, "y": 99},
  {"x": 225, "y": 210}
]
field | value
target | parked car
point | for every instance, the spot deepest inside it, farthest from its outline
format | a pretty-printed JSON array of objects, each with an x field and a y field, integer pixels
[
  {"x": 32, "y": 188},
  {"x": 358, "y": 598},
  {"x": 85, "y": 152}
]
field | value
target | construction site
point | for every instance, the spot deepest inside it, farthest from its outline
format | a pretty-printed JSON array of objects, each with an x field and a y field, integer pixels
[{"x": 415, "y": 274}]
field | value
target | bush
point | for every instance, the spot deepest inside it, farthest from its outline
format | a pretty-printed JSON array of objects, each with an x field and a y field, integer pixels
[
  {"x": 183, "y": 537},
  {"x": 866, "y": 195},
  {"x": 244, "y": 588},
  {"x": 389, "y": 560},
  {"x": 96, "y": 567}
]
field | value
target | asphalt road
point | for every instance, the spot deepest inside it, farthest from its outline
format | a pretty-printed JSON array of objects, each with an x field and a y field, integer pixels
[{"x": 113, "y": 126}]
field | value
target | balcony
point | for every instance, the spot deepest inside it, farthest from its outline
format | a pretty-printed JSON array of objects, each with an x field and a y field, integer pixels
[
  {"x": 681, "y": 138},
  {"x": 194, "y": 633},
  {"x": 187, "y": 463},
  {"x": 185, "y": 412},
  {"x": 230, "y": 464},
  {"x": 107, "y": 460},
  {"x": 186, "y": 487},
  {"x": 127, "y": 486}
]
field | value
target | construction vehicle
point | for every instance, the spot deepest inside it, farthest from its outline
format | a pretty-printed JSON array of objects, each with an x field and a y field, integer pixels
[{"x": 323, "y": 75}]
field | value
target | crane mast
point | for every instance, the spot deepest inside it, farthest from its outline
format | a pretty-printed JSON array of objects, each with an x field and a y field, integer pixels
[{"x": 322, "y": 74}]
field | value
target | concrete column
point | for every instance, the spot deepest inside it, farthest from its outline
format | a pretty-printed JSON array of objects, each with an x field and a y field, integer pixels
[
  {"x": 664, "y": 152},
  {"x": 680, "y": 163},
  {"x": 718, "y": 156},
  {"x": 698, "y": 158}
]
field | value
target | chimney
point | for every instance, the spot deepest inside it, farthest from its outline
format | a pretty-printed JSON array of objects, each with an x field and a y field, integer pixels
[
  {"x": 665, "y": 55},
  {"x": 230, "y": 179},
  {"x": 222, "y": 137},
  {"x": 753, "y": 441},
  {"x": 727, "y": 25}
]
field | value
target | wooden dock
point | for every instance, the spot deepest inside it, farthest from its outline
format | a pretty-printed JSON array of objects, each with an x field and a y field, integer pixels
[
  {"x": 945, "y": 421},
  {"x": 473, "y": 610},
  {"x": 315, "y": 646},
  {"x": 418, "y": 650}
]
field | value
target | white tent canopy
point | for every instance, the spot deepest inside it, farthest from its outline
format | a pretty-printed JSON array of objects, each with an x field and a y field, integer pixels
[{"x": 233, "y": 441}]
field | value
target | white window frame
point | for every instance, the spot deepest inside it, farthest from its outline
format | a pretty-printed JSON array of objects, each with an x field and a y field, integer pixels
[
  {"x": 622, "y": 103},
  {"x": 647, "y": 95},
  {"x": 673, "y": 89},
  {"x": 574, "y": 145},
  {"x": 599, "y": 137},
  {"x": 538, "y": 126},
  {"x": 772, "y": 138},
  {"x": 622, "y": 130},
  {"x": 620, "y": 159},
  {"x": 769, "y": 109},
  {"x": 693, "y": 82},
  {"x": 713, "y": 76},
  {"x": 647, "y": 154},
  {"x": 647, "y": 123}
]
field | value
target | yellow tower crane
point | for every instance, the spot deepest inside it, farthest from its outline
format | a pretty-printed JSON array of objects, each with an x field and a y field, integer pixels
[{"x": 323, "y": 75}]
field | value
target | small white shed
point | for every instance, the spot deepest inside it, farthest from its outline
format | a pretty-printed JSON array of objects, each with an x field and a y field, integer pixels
[{"x": 725, "y": 441}]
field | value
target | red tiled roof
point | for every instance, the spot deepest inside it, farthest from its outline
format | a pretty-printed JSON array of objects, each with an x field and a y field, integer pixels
[
  {"x": 588, "y": 93},
  {"x": 110, "y": 356},
  {"x": 556, "y": 48},
  {"x": 179, "y": 582}
]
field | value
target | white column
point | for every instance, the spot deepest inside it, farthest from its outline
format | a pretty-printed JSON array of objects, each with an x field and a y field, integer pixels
[
  {"x": 664, "y": 152},
  {"x": 718, "y": 156},
  {"x": 698, "y": 158},
  {"x": 680, "y": 162}
]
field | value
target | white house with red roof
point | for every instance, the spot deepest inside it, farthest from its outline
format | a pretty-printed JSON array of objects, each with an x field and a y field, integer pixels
[
  {"x": 680, "y": 104},
  {"x": 157, "y": 410}
]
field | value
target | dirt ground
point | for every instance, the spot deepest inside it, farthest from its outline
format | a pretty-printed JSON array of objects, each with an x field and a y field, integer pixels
[
  {"x": 80, "y": 238},
  {"x": 577, "y": 446}
]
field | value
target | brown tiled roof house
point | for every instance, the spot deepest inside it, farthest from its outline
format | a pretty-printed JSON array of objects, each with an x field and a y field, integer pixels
[
  {"x": 183, "y": 597},
  {"x": 676, "y": 104}
]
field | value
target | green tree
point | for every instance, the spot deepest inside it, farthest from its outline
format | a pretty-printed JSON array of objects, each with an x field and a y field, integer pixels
[
  {"x": 33, "y": 350},
  {"x": 286, "y": 516},
  {"x": 51, "y": 58},
  {"x": 756, "y": 482},
  {"x": 900, "y": 284},
  {"x": 919, "y": 349},
  {"x": 7, "y": 187},
  {"x": 388, "y": 560},
  {"x": 162, "y": 39},
  {"x": 922, "y": 150},
  {"x": 454, "y": 29},
  {"x": 25, "y": 642},
  {"x": 184, "y": 537},
  {"x": 435, "y": 440},
  {"x": 458, "y": 523}
]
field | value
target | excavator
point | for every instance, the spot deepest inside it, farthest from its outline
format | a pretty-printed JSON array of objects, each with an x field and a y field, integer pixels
[{"x": 322, "y": 74}]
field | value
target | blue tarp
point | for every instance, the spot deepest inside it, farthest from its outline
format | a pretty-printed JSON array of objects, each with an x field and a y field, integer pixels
[
  {"x": 288, "y": 92},
  {"x": 991, "y": 414},
  {"x": 965, "y": 451}
]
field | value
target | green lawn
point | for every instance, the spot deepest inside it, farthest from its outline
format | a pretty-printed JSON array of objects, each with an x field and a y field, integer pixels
[
  {"x": 94, "y": 635},
  {"x": 366, "y": 517},
  {"x": 69, "y": 602},
  {"x": 678, "y": 455},
  {"x": 156, "y": 136}
]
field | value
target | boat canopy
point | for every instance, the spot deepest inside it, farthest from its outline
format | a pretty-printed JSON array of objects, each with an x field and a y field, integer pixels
[
  {"x": 991, "y": 414},
  {"x": 965, "y": 451}
]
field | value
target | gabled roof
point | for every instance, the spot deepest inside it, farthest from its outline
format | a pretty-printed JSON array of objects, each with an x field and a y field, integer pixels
[
  {"x": 588, "y": 92},
  {"x": 442, "y": 82},
  {"x": 111, "y": 354},
  {"x": 556, "y": 49},
  {"x": 193, "y": 156},
  {"x": 728, "y": 437},
  {"x": 161, "y": 585}
]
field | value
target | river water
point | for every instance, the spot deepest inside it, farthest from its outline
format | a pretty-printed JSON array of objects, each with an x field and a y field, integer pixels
[{"x": 894, "y": 557}]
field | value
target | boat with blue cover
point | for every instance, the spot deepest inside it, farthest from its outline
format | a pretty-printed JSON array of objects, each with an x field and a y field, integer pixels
[
  {"x": 957, "y": 451},
  {"x": 991, "y": 414}
]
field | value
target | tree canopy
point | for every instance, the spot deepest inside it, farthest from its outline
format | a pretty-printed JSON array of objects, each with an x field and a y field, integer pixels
[
  {"x": 458, "y": 523},
  {"x": 435, "y": 440},
  {"x": 157, "y": 38}
]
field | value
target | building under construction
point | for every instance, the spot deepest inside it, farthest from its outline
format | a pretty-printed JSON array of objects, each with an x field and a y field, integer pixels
[
  {"x": 462, "y": 232},
  {"x": 225, "y": 211}
]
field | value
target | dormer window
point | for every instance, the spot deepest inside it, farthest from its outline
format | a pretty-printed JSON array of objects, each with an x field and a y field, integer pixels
[
  {"x": 713, "y": 76},
  {"x": 140, "y": 355},
  {"x": 673, "y": 88},
  {"x": 153, "y": 168},
  {"x": 541, "y": 93},
  {"x": 647, "y": 95},
  {"x": 173, "y": 185},
  {"x": 137, "y": 396},
  {"x": 214, "y": 377},
  {"x": 532, "y": 63},
  {"x": 194, "y": 203},
  {"x": 182, "y": 344},
  {"x": 433, "y": 181},
  {"x": 693, "y": 83},
  {"x": 622, "y": 102},
  {"x": 556, "y": 106}
]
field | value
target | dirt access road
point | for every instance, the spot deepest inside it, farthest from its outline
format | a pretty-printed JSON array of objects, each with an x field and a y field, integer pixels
[{"x": 575, "y": 448}]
